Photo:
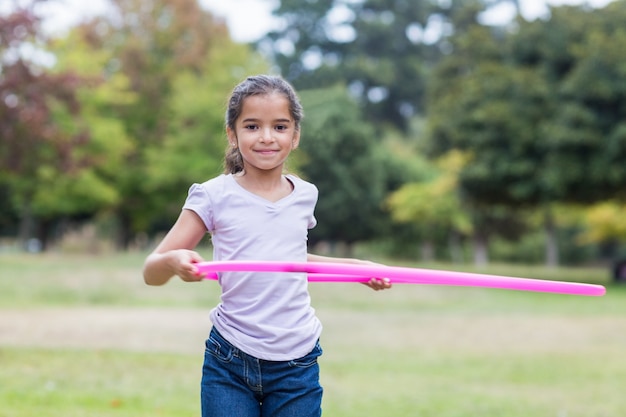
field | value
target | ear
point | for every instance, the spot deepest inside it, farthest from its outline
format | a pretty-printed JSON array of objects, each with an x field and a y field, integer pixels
[
  {"x": 232, "y": 137},
  {"x": 296, "y": 140}
]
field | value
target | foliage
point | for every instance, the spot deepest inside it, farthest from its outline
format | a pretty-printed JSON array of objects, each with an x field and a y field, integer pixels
[
  {"x": 42, "y": 130},
  {"x": 433, "y": 204},
  {"x": 375, "y": 47},
  {"x": 193, "y": 147},
  {"x": 129, "y": 112},
  {"x": 178, "y": 60},
  {"x": 585, "y": 135},
  {"x": 95, "y": 189},
  {"x": 538, "y": 109},
  {"x": 605, "y": 221},
  {"x": 493, "y": 111},
  {"x": 149, "y": 43},
  {"x": 343, "y": 161}
]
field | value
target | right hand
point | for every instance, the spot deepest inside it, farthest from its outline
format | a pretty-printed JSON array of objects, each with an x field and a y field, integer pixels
[{"x": 182, "y": 262}]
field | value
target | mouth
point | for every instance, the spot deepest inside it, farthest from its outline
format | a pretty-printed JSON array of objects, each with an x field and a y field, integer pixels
[{"x": 266, "y": 151}]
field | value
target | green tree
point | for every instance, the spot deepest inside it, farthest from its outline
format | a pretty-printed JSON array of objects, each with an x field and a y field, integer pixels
[
  {"x": 193, "y": 148},
  {"x": 491, "y": 110},
  {"x": 583, "y": 132},
  {"x": 341, "y": 159},
  {"x": 160, "y": 46},
  {"x": 604, "y": 222},
  {"x": 435, "y": 206},
  {"x": 95, "y": 190},
  {"x": 530, "y": 113},
  {"x": 44, "y": 166},
  {"x": 381, "y": 49},
  {"x": 588, "y": 133}
]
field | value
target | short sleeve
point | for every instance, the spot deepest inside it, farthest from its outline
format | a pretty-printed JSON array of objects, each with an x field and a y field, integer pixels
[
  {"x": 314, "y": 192},
  {"x": 199, "y": 202},
  {"x": 308, "y": 194}
]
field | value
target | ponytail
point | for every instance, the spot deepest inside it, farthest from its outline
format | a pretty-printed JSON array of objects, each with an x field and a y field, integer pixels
[{"x": 233, "y": 162}]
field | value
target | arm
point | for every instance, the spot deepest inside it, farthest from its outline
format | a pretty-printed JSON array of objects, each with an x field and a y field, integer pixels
[
  {"x": 375, "y": 283},
  {"x": 175, "y": 254}
]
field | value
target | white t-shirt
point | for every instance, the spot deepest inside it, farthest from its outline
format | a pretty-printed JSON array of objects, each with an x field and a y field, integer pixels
[{"x": 267, "y": 315}]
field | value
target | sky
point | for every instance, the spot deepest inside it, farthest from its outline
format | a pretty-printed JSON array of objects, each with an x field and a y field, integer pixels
[{"x": 248, "y": 20}]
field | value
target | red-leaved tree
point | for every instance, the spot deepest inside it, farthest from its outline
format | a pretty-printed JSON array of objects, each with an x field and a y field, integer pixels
[{"x": 32, "y": 141}]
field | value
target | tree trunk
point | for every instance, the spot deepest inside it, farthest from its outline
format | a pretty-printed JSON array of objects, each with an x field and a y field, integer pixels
[
  {"x": 481, "y": 253},
  {"x": 43, "y": 233},
  {"x": 552, "y": 247},
  {"x": 124, "y": 232},
  {"x": 456, "y": 249},
  {"x": 427, "y": 251},
  {"x": 26, "y": 227}
]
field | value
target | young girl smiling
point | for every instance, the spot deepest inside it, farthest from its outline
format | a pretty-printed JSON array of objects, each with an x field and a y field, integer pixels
[{"x": 261, "y": 353}]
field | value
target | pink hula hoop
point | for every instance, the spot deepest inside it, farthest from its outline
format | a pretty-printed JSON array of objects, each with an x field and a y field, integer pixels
[{"x": 338, "y": 272}]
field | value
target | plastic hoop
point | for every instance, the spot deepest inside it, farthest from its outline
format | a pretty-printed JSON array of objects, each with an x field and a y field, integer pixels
[{"x": 339, "y": 272}]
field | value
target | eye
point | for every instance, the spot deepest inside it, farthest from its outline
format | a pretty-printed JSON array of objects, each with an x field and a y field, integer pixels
[
  {"x": 251, "y": 127},
  {"x": 281, "y": 127}
]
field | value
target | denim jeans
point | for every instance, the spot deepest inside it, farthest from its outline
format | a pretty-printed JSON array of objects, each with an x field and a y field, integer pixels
[{"x": 235, "y": 384}]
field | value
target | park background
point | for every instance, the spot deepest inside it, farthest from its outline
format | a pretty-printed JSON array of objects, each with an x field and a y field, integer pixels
[{"x": 437, "y": 138}]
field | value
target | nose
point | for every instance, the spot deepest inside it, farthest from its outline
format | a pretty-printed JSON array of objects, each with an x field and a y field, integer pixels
[{"x": 266, "y": 135}]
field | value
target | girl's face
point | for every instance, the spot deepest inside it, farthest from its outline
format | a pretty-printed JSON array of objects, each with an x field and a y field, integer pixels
[{"x": 265, "y": 132}]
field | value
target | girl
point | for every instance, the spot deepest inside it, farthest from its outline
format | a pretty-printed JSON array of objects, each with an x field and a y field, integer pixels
[{"x": 261, "y": 354}]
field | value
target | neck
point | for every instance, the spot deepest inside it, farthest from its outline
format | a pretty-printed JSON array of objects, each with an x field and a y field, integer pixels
[{"x": 272, "y": 187}]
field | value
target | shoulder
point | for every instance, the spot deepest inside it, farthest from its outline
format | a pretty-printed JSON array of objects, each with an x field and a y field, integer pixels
[
  {"x": 212, "y": 185},
  {"x": 301, "y": 184},
  {"x": 208, "y": 191}
]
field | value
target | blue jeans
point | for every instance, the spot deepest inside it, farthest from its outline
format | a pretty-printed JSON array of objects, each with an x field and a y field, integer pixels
[{"x": 235, "y": 384}]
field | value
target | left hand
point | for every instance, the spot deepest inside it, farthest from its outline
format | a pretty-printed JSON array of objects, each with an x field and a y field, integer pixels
[
  {"x": 378, "y": 284},
  {"x": 374, "y": 283}
]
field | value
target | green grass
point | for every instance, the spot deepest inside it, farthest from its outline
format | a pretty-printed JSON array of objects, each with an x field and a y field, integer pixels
[
  {"x": 48, "y": 382},
  {"x": 108, "y": 280},
  {"x": 423, "y": 351}
]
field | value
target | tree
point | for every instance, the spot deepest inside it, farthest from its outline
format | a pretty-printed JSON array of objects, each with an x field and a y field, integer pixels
[
  {"x": 604, "y": 222},
  {"x": 480, "y": 104},
  {"x": 375, "y": 47},
  {"x": 341, "y": 159},
  {"x": 537, "y": 132},
  {"x": 95, "y": 191},
  {"x": 588, "y": 134},
  {"x": 435, "y": 205},
  {"x": 155, "y": 44},
  {"x": 383, "y": 50},
  {"x": 40, "y": 124},
  {"x": 584, "y": 134},
  {"x": 194, "y": 145}
]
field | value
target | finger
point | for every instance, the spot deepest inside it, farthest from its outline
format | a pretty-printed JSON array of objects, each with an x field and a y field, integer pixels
[
  {"x": 196, "y": 272},
  {"x": 380, "y": 283},
  {"x": 191, "y": 273}
]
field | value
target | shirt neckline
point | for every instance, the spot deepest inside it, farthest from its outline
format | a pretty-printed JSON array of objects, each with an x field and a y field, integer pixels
[{"x": 262, "y": 199}]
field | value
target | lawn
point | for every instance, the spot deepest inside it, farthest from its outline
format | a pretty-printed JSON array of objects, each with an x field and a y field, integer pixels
[{"x": 83, "y": 336}]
